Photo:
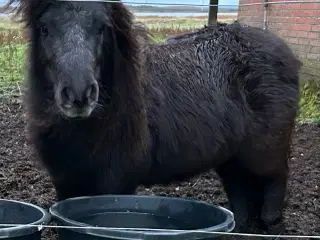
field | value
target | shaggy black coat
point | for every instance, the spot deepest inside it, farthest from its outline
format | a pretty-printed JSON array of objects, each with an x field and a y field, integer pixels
[
  {"x": 192, "y": 35},
  {"x": 226, "y": 99}
]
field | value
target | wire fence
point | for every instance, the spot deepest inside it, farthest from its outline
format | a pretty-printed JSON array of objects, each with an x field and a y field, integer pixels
[
  {"x": 172, "y": 231},
  {"x": 191, "y": 4}
]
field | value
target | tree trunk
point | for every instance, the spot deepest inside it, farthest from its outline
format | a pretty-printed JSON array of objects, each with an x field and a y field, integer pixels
[{"x": 213, "y": 12}]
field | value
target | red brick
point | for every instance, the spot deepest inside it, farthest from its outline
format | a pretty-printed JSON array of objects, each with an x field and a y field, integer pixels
[
  {"x": 254, "y": 19},
  {"x": 286, "y": 13},
  {"x": 283, "y": 32},
  {"x": 254, "y": 7},
  {"x": 293, "y": 40},
  {"x": 307, "y": 13},
  {"x": 301, "y": 27},
  {"x": 292, "y": 33},
  {"x": 315, "y": 50},
  {"x": 288, "y": 19},
  {"x": 281, "y": 26},
  {"x": 302, "y": 34},
  {"x": 259, "y": 13},
  {"x": 316, "y": 13},
  {"x": 287, "y": 26},
  {"x": 315, "y": 28},
  {"x": 251, "y": 1},
  {"x": 280, "y": 19},
  {"x": 313, "y": 35},
  {"x": 303, "y": 41},
  {"x": 275, "y": 13},
  {"x": 274, "y": 7},
  {"x": 304, "y": 20},
  {"x": 302, "y": 55},
  {"x": 296, "y": 14},
  {"x": 314, "y": 42},
  {"x": 273, "y": 27},
  {"x": 295, "y": 6},
  {"x": 284, "y": 6},
  {"x": 306, "y": 48},
  {"x": 296, "y": 47},
  {"x": 310, "y": 6}
]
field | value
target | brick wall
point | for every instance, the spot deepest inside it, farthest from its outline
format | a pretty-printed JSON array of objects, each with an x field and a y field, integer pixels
[
  {"x": 297, "y": 23},
  {"x": 251, "y": 15}
]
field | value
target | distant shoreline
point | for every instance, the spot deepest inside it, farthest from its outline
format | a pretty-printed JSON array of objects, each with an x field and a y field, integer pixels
[
  {"x": 153, "y": 11},
  {"x": 161, "y": 15},
  {"x": 182, "y": 14},
  {"x": 166, "y": 9},
  {"x": 147, "y": 8}
]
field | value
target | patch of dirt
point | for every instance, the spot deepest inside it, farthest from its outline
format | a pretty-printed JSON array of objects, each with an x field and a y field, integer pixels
[{"x": 22, "y": 179}]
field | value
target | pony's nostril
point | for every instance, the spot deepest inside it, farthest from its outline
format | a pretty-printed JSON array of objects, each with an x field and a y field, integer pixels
[
  {"x": 92, "y": 92},
  {"x": 67, "y": 96}
]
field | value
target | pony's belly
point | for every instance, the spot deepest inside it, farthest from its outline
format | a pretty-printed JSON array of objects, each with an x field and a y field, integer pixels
[{"x": 183, "y": 164}]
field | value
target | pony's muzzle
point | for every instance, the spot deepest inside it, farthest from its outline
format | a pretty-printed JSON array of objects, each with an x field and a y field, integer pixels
[{"x": 77, "y": 101}]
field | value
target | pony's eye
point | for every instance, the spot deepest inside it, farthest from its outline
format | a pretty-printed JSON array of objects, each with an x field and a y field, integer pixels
[
  {"x": 98, "y": 26},
  {"x": 101, "y": 29},
  {"x": 43, "y": 30}
]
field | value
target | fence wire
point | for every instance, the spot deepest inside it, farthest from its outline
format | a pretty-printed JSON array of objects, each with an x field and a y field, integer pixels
[
  {"x": 141, "y": 230},
  {"x": 193, "y": 5}
]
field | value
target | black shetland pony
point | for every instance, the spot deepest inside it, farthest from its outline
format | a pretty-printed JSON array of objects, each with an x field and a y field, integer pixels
[{"x": 108, "y": 111}]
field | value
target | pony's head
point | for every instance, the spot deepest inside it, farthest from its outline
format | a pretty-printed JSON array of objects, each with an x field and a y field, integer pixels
[{"x": 78, "y": 50}]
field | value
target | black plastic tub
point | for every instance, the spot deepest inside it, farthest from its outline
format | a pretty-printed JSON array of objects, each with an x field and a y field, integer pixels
[
  {"x": 139, "y": 213},
  {"x": 21, "y": 213}
]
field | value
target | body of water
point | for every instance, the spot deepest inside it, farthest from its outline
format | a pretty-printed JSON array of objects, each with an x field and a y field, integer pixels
[
  {"x": 180, "y": 14},
  {"x": 167, "y": 14}
]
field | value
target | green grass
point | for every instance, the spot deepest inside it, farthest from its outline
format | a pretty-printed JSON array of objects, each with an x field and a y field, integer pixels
[
  {"x": 11, "y": 63},
  {"x": 12, "y": 56},
  {"x": 13, "y": 46},
  {"x": 6, "y": 23},
  {"x": 310, "y": 102},
  {"x": 170, "y": 24}
]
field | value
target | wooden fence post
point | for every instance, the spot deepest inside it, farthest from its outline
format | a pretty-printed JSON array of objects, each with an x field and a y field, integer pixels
[{"x": 213, "y": 12}]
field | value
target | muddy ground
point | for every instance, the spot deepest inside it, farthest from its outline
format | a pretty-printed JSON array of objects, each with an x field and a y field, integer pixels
[{"x": 21, "y": 179}]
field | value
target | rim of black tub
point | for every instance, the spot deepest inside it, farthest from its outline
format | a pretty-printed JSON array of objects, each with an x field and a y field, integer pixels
[
  {"x": 26, "y": 229},
  {"x": 226, "y": 226}
]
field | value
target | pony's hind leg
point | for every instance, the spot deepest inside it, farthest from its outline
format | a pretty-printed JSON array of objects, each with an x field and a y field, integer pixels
[
  {"x": 269, "y": 173},
  {"x": 274, "y": 199},
  {"x": 235, "y": 182},
  {"x": 266, "y": 201}
]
